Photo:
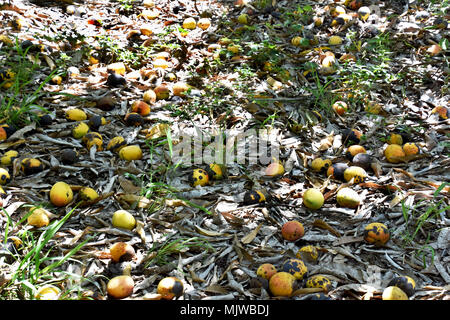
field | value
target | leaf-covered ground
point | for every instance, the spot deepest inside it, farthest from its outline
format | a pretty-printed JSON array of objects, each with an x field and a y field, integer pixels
[{"x": 271, "y": 67}]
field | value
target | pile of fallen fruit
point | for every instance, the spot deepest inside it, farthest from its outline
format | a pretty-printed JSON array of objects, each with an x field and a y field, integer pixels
[{"x": 95, "y": 98}]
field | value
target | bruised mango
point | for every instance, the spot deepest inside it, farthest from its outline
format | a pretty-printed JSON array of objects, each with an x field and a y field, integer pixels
[
  {"x": 61, "y": 194},
  {"x": 9, "y": 157},
  {"x": 336, "y": 171},
  {"x": 254, "y": 197},
  {"x": 308, "y": 253},
  {"x": 215, "y": 171},
  {"x": 296, "y": 267},
  {"x": 340, "y": 107},
  {"x": 93, "y": 139},
  {"x": 88, "y": 194},
  {"x": 394, "y": 293},
  {"x": 133, "y": 119},
  {"x": 31, "y": 166},
  {"x": 4, "y": 176},
  {"x": 141, "y": 107},
  {"x": 320, "y": 165},
  {"x": 180, "y": 89},
  {"x": 353, "y": 150},
  {"x": 116, "y": 144},
  {"x": 376, "y": 233},
  {"x": 351, "y": 136},
  {"x": 199, "y": 177},
  {"x": 363, "y": 160},
  {"x": 405, "y": 283},
  {"x": 266, "y": 271},
  {"x": 170, "y": 287},
  {"x": 122, "y": 251},
  {"x": 292, "y": 230},
  {"x": 358, "y": 174},
  {"x": 282, "y": 284},
  {"x": 319, "y": 281}
]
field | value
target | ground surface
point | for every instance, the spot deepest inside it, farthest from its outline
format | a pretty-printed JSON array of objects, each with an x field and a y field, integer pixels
[{"x": 397, "y": 59}]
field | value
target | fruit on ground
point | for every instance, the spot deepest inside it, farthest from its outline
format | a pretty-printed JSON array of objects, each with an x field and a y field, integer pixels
[
  {"x": 376, "y": 233},
  {"x": 395, "y": 138},
  {"x": 243, "y": 18},
  {"x": 405, "y": 283},
  {"x": 130, "y": 153},
  {"x": 307, "y": 253},
  {"x": 47, "y": 292},
  {"x": 76, "y": 114},
  {"x": 141, "y": 107},
  {"x": 93, "y": 139},
  {"x": 117, "y": 67},
  {"x": 199, "y": 177},
  {"x": 340, "y": 107},
  {"x": 348, "y": 198},
  {"x": 394, "y": 293},
  {"x": 95, "y": 122},
  {"x": 320, "y": 165},
  {"x": 133, "y": 119},
  {"x": 4, "y": 176},
  {"x": 253, "y": 197},
  {"x": 336, "y": 171},
  {"x": 88, "y": 194},
  {"x": 410, "y": 148},
  {"x": 351, "y": 136},
  {"x": 353, "y": 150},
  {"x": 296, "y": 267},
  {"x": 358, "y": 174},
  {"x": 170, "y": 287},
  {"x": 106, "y": 103},
  {"x": 319, "y": 281},
  {"x": 80, "y": 130},
  {"x": 120, "y": 287},
  {"x": 162, "y": 92},
  {"x": 394, "y": 153},
  {"x": 363, "y": 160},
  {"x": 38, "y": 217},
  {"x": 215, "y": 171},
  {"x": 364, "y": 13},
  {"x": 61, "y": 194},
  {"x": 204, "y": 23},
  {"x": 189, "y": 23},
  {"x": 180, "y": 88},
  {"x": 122, "y": 251},
  {"x": 115, "y": 80},
  {"x": 335, "y": 40},
  {"x": 123, "y": 219},
  {"x": 292, "y": 230},
  {"x": 313, "y": 198},
  {"x": 69, "y": 156},
  {"x": 116, "y": 144},
  {"x": 266, "y": 271},
  {"x": 282, "y": 284},
  {"x": 149, "y": 96},
  {"x": 31, "y": 166},
  {"x": 274, "y": 169},
  {"x": 442, "y": 112},
  {"x": 9, "y": 157}
]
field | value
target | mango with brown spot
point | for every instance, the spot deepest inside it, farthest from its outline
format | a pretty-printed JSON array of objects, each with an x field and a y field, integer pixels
[{"x": 376, "y": 233}]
